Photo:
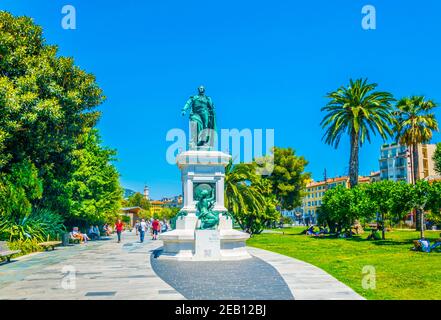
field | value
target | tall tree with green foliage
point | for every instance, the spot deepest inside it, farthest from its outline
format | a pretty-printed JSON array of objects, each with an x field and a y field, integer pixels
[
  {"x": 94, "y": 191},
  {"x": 47, "y": 103},
  {"x": 253, "y": 219},
  {"x": 249, "y": 197},
  {"x": 434, "y": 204},
  {"x": 421, "y": 197},
  {"x": 239, "y": 196},
  {"x": 415, "y": 125},
  {"x": 359, "y": 111},
  {"x": 340, "y": 208},
  {"x": 288, "y": 177},
  {"x": 137, "y": 200},
  {"x": 390, "y": 200}
]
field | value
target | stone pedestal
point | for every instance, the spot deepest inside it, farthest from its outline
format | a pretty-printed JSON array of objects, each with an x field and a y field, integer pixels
[
  {"x": 207, "y": 245},
  {"x": 203, "y": 169}
]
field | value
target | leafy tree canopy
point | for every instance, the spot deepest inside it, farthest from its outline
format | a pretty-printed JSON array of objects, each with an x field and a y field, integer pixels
[
  {"x": 249, "y": 197},
  {"x": 17, "y": 189},
  {"x": 137, "y": 200},
  {"x": 288, "y": 177},
  {"x": 47, "y": 103},
  {"x": 94, "y": 191}
]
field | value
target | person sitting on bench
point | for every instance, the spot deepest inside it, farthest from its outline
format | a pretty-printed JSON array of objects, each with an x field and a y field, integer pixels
[
  {"x": 94, "y": 232},
  {"x": 78, "y": 235},
  {"x": 107, "y": 229}
]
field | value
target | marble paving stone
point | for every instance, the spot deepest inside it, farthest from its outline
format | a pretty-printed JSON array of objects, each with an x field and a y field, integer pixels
[{"x": 101, "y": 293}]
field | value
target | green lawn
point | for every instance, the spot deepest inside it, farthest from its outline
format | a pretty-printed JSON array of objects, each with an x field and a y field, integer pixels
[{"x": 400, "y": 272}]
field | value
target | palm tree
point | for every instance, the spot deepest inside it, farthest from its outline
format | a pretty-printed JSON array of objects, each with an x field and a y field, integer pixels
[
  {"x": 241, "y": 195},
  {"x": 415, "y": 124},
  {"x": 357, "y": 110}
]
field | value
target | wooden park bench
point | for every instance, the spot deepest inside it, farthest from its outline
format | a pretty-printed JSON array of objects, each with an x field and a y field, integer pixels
[
  {"x": 49, "y": 244},
  {"x": 5, "y": 253}
]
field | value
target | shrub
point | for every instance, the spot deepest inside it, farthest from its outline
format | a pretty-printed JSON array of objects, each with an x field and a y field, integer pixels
[
  {"x": 26, "y": 246},
  {"x": 287, "y": 220},
  {"x": 376, "y": 235},
  {"x": 41, "y": 225}
]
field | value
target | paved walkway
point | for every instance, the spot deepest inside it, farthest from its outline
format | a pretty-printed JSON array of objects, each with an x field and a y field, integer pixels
[
  {"x": 128, "y": 270},
  {"x": 104, "y": 270},
  {"x": 250, "y": 279}
]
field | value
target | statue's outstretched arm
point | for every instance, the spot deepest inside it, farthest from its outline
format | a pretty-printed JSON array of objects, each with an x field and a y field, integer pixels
[
  {"x": 212, "y": 196},
  {"x": 187, "y": 105}
]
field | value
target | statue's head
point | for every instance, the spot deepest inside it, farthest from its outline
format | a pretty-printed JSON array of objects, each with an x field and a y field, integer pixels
[
  {"x": 201, "y": 90},
  {"x": 204, "y": 194}
]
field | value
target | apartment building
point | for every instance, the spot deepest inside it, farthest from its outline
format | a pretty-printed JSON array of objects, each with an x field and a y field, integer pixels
[
  {"x": 395, "y": 162},
  {"x": 315, "y": 190}
]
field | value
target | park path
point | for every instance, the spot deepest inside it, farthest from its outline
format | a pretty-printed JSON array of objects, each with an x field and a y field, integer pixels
[
  {"x": 247, "y": 279},
  {"x": 103, "y": 270},
  {"x": 109, "y": 270}
]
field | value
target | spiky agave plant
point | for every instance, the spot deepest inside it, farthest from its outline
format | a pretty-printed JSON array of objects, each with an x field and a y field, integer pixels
[{"x": 41, "y": 224}]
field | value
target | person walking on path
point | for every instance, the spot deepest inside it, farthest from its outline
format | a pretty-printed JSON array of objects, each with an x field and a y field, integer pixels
[
  {"x": 137, "y": 224},
  {"x": 156, "y": 226},
  {"x": 164, "y": 226},
  {"x": 142, "y": 230},
  {"x": 119, "y": 228},
  {"x": 149, "y": 226}
]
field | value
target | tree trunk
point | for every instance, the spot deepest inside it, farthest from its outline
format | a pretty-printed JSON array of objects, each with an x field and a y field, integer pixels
[
  {"x": 418, "y": 213},
  {"x": 422, "y": 224},
  {"x": 353, "y": 159},
  {"x": 415, "y": 162},
  {"x": 383, "y": 236}
]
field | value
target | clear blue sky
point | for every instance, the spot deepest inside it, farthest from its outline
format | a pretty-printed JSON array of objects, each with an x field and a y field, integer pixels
[{"x": 266, "y": 64}]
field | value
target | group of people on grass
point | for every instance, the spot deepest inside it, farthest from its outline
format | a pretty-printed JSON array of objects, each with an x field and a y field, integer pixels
[
  {"x": 153, "y": 226},
  {"x": 321, "y": 232},
  {"x": 419, "y": 245}
]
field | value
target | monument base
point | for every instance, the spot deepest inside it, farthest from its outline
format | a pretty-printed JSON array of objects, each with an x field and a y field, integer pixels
[
  {"x": 199, "y": 245},
  {"x": 187, "y": 242}
]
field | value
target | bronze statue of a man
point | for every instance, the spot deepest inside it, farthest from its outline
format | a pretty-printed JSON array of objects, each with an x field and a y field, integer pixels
[{"x": 202, "y": 121}]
